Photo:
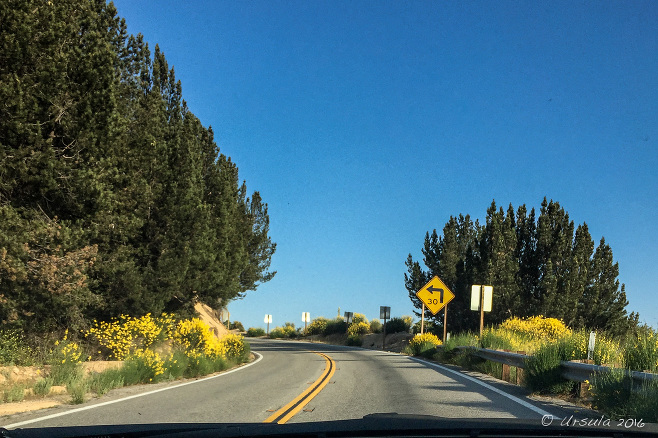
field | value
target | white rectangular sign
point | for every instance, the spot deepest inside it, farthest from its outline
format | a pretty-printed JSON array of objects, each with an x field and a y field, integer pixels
[{"x": 475, "y": 297}]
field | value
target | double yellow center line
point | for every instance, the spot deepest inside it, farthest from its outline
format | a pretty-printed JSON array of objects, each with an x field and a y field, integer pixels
[{"x": 288, "y": 411}]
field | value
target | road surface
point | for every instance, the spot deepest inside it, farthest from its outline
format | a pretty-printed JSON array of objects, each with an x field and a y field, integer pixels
[{"x": 304, "y": 382}]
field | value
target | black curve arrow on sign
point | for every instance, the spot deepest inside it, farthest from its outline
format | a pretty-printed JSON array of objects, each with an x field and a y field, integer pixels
[{"x": 433, "y": 289}]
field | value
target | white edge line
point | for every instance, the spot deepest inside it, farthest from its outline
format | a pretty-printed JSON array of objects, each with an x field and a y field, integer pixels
[
  {"x": 72, "y": 411},
  {"x": 486, "y": 385}
]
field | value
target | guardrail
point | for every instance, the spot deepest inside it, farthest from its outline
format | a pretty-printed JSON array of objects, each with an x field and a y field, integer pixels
[{"x": 576, "y": 371}]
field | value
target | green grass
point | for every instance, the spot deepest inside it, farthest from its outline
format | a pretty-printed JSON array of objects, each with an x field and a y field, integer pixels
[
  {"x": 101, "y": 383},
  {"x": 77, "y": 389},
  {"x": 618, "y": 396}
]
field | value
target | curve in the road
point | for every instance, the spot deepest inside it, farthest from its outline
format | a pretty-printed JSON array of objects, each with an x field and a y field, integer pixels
[{"x": 297, "y": 404}]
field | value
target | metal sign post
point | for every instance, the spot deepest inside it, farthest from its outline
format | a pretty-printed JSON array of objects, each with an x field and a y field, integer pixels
[
  {"x": 481, "y": 299},
  {"x": 422, "y": 320},
  {"x": 268, "y": 320},
  {"x": 445, "y": 323},
  {"x": 306, "y": 318},
  {"x": 384, "y": 313}
]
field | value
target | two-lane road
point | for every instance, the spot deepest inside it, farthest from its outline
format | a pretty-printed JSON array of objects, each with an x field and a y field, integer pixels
[{"x": 288, "y": 374}]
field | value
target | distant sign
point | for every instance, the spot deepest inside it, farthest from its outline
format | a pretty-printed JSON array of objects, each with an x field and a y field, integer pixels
[
  {"x": 306, "y": 317},
  {"x": 435, "y": 294},
  {"x": 384, "y": 312},
  {"x": 268, "y": 319}
]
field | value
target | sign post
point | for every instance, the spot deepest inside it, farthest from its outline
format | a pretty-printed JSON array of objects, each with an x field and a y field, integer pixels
[
  {"x": 384, "y": 313},
  {"x": 436, "y": 296},
  {"x": 481, "y": 298},
  {"x": 422, "y": 320},
  {"x": 348, "y": 317},
  {"x": 268, "y": 320},
  {"x": 306, "y": 318}
]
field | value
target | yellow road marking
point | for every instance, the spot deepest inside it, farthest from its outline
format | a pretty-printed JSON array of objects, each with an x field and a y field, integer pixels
[{"x": 297, "y": 404}]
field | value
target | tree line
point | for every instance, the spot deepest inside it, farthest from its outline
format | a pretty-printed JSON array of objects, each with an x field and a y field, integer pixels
[
  {"x": 114, "y": 198},
  {"x": 538, "y": 265}
]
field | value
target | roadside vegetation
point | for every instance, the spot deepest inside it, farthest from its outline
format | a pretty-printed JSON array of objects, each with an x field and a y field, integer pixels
[
  {"x": 341, "y": 332},
  {"x": 549, "y": 341},
  {"x": 146, "y": 350}
]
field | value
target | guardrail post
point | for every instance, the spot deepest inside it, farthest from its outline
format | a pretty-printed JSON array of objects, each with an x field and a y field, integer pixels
[{"x": 505, "y": 374}]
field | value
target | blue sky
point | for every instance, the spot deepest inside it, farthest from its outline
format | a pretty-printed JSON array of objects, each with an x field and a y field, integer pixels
[{"x": 365, "y": 124}]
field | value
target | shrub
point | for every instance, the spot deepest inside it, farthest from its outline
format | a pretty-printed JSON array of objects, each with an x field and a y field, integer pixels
[
  {"x": 42, "y": 387},
  {"x": 641, "y": 352},
  {"x": 398, "y": 325},
  {"x": 375, "y": 326},
  {"x": 15, "y": 393},
  {"x": 335, "y": 326},
  {"x": 235, "y": 348},
  {"x": 536, "y": 327},
  {"x": 144, "y": 366},
  {"x": 176, "y": 365},
  {"x": 354, "y": 340},
  {"x": 357, "y": 329},
  {"x": 359, "y": 317},
  {"x": 543, "y": 370},
  {"x": 317, "y": 326},
  {"x": 14, "y": 349},
  {"x": 255, "y": 332},
  {"x": 77, "y": 389},
  {"x": 287, "y": 331},
  {"x": 65, "y": 361},
  {"x": 123, "y": 336},
  {"x": 236, "y": 325},
  {"x": 423, "y": 345}
]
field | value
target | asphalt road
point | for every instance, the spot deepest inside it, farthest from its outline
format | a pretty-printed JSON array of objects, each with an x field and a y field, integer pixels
[{"x": 361, "y": 382}]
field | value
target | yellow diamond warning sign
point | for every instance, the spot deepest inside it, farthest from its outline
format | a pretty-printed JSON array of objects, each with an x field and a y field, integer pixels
[{"x": 435, "y": 295}]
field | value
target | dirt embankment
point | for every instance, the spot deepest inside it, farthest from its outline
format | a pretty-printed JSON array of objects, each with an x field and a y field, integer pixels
[{"x": 395, "y": 342}]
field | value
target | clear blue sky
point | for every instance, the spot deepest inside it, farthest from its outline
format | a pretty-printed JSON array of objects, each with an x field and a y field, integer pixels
[{"x": 366, "y": 124}]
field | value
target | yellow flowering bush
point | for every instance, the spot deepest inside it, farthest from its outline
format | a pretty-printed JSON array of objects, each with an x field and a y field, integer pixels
[
  {"x": 234, "y": 347},
  {"x": 536, "y": 327},
  {"x": 143, "y": 366},
  {"x": 125, "y": 335},
  {"x": 358, "y": 329},
  {"x": 66, "y": 351},
  {"x": 424, "y": 344},
  {"x": 195, "y": 337}
]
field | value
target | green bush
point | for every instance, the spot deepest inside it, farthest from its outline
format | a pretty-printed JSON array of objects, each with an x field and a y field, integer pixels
[
  {"x": 617, "y": 396},
  {"x": 375, "y": 326},
  {"x": 317, "y": 326},
  {"x": 354, "y": 340},
  {"x": 255, "y": 332},
  {"x": 335, "y": 326},
  {"x": 236, "y": 325},
  {"x": 15, "y": 393},
  {"x": 398, "y": 325},
  {"x": 77, "y": 389},
  {"x": 42, "y": 387}
]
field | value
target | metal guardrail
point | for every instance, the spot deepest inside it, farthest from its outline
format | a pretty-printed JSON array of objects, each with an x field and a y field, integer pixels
[{"x": 576, "y": 371}]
